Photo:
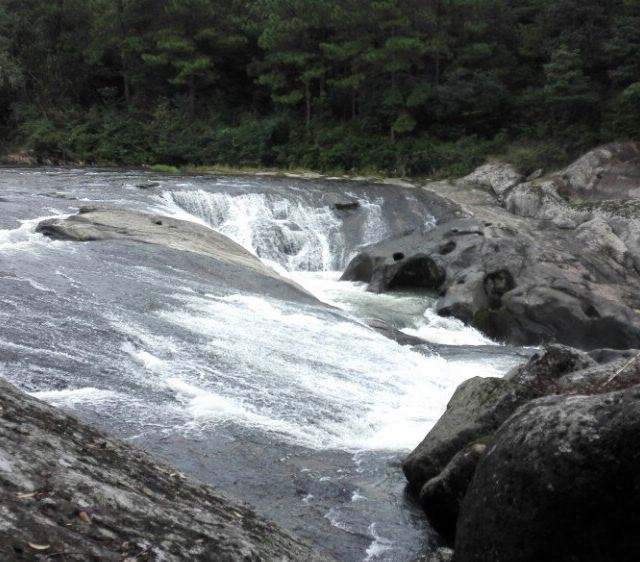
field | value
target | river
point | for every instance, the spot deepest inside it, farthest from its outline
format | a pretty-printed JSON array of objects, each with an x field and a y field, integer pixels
[{"x": 297, "y": 408}]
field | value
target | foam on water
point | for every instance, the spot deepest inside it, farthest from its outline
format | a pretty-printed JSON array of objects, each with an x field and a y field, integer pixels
[
  {"x": 143, "y": 358},
  {"x": 287, "y": 231},
  {"x": 285, "y": 369},
  {"x": 447, "y": 331},
  {"x": 412, "y": 314},
  {"x": 379, "y": 547},
  {"x": 68, "y": 398},
  {"x": 25, "y": 236}
]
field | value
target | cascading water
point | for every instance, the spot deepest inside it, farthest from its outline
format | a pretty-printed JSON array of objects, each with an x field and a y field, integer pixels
[
  {"x": 297, "y": 408},
  {"x": 290, "y": 232}
]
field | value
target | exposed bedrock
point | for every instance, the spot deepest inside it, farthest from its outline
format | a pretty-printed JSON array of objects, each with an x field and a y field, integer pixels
[
  {"x": 523, "y": 263},
  {"x": 608, "y": 172},
  {"x": 69, "y": 492},
  {"x": 229, "y": 263},
  {"x": 443, "y": 470},
  {"x": 515, "y": 281}
]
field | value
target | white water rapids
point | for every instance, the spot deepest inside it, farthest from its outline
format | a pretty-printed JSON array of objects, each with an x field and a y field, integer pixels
[{"x": 130, "y": 337}]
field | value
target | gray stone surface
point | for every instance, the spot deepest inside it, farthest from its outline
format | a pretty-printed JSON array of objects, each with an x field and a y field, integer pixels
[
  {"x": 477, "y": 409},
  {"x": 441, "y": 469},
  {"x": 70, "y": 492},
  {"x": 480, "y": 406},
  {"x": 561, "y": 482},
  {"x": 442, "y": 496},
  {"x": 523, "y": 280},
  {"x": 93, "y": 224},
  {"x": 499, "y": 177},
  {"x": 611, "y": 171}
]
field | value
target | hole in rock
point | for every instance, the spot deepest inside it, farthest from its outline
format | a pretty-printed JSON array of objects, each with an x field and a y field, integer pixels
[
  {"x": 497, "y": 284},
  {"x": 360, "y": 269},
  {"x": 419, "y": 272},
  {"x": 590, "y": 311},
  {"x": 447, "y": 248},
  {"x": 158, "y": 222},
  {"x": 398, "y": 256}
]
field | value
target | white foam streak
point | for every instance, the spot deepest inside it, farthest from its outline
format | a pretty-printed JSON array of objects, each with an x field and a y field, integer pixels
[
  {"x": 21, "y": 238},
  {"x": 72, "y": 397},
  {"x": 287, "y": 369},
  {"x": 447, "y": 331}
]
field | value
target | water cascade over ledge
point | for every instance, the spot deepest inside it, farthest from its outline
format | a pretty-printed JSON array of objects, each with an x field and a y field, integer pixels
[{"x": 298, "y": 408}]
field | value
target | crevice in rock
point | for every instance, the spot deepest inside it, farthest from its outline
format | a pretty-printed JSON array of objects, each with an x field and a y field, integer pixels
[
  {"x": 496, "y": 285},
  {"x": 590, "y": 310}
]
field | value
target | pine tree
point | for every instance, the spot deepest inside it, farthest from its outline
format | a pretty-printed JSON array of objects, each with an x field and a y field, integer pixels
[{"x": 568, "y": 91}]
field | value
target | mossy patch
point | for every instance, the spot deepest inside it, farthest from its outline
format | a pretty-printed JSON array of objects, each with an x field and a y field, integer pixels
[{"x": 164, "y": 169}]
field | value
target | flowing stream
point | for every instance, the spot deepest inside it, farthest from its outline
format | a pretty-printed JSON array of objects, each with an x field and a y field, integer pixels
[{"x": 298, "y": 408}]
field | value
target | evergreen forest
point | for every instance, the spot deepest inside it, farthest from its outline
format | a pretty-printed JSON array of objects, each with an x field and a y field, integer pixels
[{"x": 414, "y": 87}]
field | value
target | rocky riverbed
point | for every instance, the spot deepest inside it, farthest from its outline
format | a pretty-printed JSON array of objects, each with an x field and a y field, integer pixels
[
  {"x": 540, "y": 464},
  {"x": 201, "y": 319}
]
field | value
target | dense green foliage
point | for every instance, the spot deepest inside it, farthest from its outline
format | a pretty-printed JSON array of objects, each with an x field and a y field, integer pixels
[{"x": 404, "y": 86}]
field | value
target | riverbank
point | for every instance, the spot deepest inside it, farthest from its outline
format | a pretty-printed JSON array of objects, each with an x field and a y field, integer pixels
[{"x": 28, "y": 159}]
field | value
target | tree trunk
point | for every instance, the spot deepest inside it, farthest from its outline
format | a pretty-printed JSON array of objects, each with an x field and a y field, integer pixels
[
  {"x": 123, "y": 55},
  {"x": 192, "y": 96},
  {"x": 354, "y": 100},
  {"x": 307, "y": 96},
  {"x": 393, "y": 90}
]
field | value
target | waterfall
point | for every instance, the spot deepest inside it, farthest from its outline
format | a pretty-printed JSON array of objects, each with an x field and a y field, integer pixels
[{"x": 292, "y": 232}]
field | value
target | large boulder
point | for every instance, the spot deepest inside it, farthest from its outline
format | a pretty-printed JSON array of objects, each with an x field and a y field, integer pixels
[
  {"x": 499, "y": 177},
  {"x": 541, "y": 200},
  {"x": 441, "y": 469},
  {"x": 477, "y": 409},
  {"x": 611, "y": 171},
  {"x": 479, "y": 406},
  {"x": 517, "y": 281},
  {"x": 70, "y": 492},
  {"x": 442, "y": 496},
  {"x": 93, "y": 224},
  {"x": 560, "y": 482}
]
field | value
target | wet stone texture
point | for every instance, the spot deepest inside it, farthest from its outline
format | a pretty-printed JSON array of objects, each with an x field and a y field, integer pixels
[{"x": 69, "y": 492}]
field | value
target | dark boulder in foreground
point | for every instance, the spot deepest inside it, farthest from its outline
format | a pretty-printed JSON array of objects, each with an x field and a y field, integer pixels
[
  {"x": 561, "y": 482},
  {"x": 445, "y": 470},
  {"x": 69, "y": 492}
]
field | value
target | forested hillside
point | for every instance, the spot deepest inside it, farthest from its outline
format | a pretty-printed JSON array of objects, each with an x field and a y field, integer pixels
[{"x": 403, "y": 86}]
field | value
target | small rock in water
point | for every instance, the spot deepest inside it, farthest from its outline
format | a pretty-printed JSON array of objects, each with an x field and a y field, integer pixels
[
  {"x": 347, "y": 205},
  {"x": 148, "y": 185}
]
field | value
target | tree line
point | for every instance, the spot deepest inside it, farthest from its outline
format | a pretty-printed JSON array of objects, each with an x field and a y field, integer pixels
[{"x": 405, "y": 86}]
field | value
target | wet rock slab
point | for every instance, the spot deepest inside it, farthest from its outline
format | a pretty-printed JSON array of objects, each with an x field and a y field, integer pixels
[
  {"x": 68, "y": 491},
  {"x": 94, "y": 224}
]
